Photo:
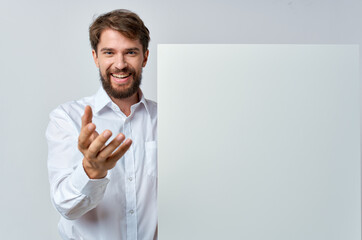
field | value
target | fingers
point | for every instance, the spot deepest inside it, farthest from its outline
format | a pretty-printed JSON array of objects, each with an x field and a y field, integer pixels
[
  {"x": 92, "y": 144},
  {"x": 93, "y": 136},
  {"x": 86, "y": 136},
  {"x": 96, "y": 146},
  {"x": 120, "y": 151},
  {"x": 107, "y": 150},
  {"x": 87, "y": 129},
  {"x": 87, "y": 116}
]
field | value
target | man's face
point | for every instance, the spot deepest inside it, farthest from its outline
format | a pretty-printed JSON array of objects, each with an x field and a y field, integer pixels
[{"x": 120, "y": 61}]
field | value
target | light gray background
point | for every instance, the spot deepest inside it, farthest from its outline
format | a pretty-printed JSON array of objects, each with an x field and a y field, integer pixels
[
  {"x": 46, "y": 60},
  {"x": 266, "y": 144}
]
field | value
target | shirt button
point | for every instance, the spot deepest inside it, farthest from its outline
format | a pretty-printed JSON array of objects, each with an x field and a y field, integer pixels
[
  {"x": 130, "y": 179},
  {"x": 131, "y": 211}
]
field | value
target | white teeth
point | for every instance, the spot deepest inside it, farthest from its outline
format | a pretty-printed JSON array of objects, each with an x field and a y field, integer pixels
[{"x": 120, "y": 75}]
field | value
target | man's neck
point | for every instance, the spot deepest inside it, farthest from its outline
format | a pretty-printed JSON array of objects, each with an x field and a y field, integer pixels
[{"x": 126, "y": 103}]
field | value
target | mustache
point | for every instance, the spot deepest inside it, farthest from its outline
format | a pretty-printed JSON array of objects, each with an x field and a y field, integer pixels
[{"x": 123, "y": 70}]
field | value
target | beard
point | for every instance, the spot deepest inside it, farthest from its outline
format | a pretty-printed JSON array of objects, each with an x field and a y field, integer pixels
[{"x": 124, "y": 93}]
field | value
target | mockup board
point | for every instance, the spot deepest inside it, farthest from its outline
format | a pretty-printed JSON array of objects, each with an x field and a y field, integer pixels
[{"x": 258, "y": 142}]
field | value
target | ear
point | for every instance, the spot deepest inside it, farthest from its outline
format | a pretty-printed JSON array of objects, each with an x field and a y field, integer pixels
[
  {"x": 95, "y": 58},
  {"x": 145, "y": 58}
]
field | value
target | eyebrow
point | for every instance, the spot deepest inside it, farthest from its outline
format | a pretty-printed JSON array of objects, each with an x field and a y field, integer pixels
[
  {"x": 127, "y": 49},
  {"x": 107, "y": 49},
  {"x": 133, "y": 49}
]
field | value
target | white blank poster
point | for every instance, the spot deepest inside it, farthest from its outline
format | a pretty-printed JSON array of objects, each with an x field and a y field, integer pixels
[{"x": 259, "y": 142}]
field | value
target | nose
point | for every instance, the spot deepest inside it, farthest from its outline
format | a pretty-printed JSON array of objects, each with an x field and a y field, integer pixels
[{"x": 120, "y": 62}]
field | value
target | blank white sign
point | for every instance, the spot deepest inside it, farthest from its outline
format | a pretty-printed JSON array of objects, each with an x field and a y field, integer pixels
[{"x": 259, "y": 142}]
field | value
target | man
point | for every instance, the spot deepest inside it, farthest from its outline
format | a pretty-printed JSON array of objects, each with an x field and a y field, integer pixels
[{"x": 103, "y": 187}]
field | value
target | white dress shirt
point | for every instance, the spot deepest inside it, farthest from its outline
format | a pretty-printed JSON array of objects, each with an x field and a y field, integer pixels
[{"x": 123, "y": 205}]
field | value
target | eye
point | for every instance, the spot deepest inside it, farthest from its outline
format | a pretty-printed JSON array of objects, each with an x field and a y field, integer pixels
[
  {"x": 131, "y": 53},
  {"x": 108, "y": 53}
]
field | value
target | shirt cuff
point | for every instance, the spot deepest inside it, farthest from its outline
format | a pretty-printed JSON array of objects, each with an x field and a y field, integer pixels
[{"x": 87, "y": 186}]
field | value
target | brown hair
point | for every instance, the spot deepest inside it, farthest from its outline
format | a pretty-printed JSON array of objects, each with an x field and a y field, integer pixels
[{"x": 125, "y": 22}]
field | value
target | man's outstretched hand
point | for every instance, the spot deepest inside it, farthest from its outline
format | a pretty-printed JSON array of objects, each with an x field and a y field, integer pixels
[{"x": 98, "y": 158}]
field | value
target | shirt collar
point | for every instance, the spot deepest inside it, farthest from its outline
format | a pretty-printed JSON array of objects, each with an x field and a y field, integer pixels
[
  {"x": 143, "y": 100},
  {"x": 102, "y": 100}
]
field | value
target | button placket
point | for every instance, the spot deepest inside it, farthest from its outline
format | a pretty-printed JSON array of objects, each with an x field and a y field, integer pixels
[{"x": 130, "y": 184}]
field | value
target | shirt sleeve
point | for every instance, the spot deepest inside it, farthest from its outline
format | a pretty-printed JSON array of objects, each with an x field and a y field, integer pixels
[{"x": 72, "y": 192}]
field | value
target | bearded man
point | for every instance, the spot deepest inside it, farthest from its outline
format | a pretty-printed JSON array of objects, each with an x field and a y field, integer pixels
[{"x": 104, "y": 187}]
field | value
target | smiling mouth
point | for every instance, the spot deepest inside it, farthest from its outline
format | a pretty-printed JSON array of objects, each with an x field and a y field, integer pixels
[{"x": 120, "y": 76}]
